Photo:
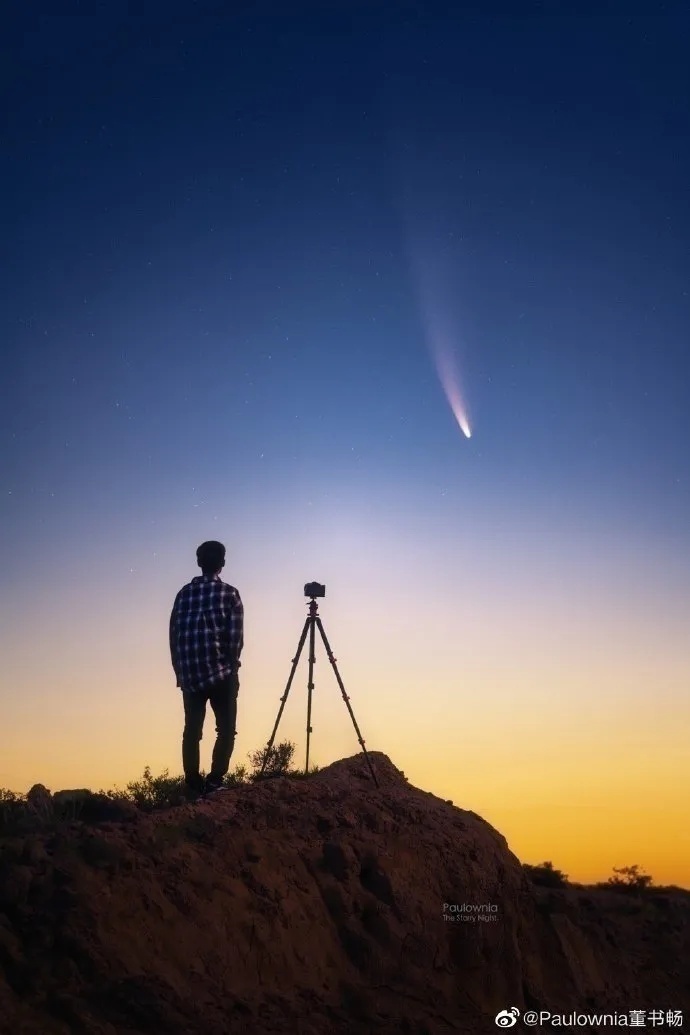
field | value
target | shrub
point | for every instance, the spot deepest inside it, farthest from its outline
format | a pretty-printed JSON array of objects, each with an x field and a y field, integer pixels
[
  {"x": 277, "y": 761},
  {"x": 545, "y": 875},
  {"x": 300, "y": 773},
  {"x": 236, "y": 776},
  {"x": 12, "y": 809},
  {"x": 156, "y": 792},
  {"x": 280, "y": 762},
  {"x": 629, "y": 878},
  {"x": 9, "y": 796}
]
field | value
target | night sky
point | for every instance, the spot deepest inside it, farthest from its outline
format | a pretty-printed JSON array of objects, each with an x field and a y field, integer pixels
[{"x": 259, "y": 268}]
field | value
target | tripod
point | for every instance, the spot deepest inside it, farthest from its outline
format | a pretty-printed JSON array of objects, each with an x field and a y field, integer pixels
[{"x": 311, "y": 622}]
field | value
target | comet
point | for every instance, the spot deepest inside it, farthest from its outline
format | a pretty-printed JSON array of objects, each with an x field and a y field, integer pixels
[
  {"x": 450, "y": 381},
  {"x": 439, "y": 336},
  {"x": 439, "y": 323}
]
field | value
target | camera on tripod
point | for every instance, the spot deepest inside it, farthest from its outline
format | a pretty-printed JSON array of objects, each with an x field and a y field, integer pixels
[{"x": 312, "y": 625}]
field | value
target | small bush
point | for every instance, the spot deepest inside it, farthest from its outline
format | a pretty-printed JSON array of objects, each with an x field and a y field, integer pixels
[
  {"x": 116, "y": 795},
  {"x": 236, "y": 776},
  {"x": 629, "y": 878},
  {"x": 156, "y": 792},
  {"x": 276, "y": 762},
  {"x": 9, "y": 796},
  {"x": 12, "y": 809},
  {"x": 300, "y": 773},
  {"x": 546, "y": 876}
]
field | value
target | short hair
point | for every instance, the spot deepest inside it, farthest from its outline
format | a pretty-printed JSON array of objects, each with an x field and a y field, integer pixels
[{"x": 210, "y": 557}]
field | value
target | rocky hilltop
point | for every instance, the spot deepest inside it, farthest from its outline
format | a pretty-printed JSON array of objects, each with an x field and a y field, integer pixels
[{"x": 314, "y": 906}]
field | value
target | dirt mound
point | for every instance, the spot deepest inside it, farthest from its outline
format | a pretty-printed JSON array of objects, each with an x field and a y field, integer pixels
[{"x": 314, "y": 906}]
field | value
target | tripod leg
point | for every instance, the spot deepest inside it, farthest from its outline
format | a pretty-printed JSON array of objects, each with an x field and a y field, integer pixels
[
  {"x": 283, "y": 699},
  {"x": 346, "y": 699},
  {"x": 310, "y": 686}
]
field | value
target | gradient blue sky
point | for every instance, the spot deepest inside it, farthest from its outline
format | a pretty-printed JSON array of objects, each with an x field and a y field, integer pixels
[{"x": 229, "y": 242}]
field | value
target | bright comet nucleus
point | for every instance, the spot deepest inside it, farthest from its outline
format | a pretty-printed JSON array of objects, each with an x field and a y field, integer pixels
[{"x": 457, "y": 406}]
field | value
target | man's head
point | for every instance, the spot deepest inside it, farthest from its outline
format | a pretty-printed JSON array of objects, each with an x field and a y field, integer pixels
[{"x": 211, "y": 557}]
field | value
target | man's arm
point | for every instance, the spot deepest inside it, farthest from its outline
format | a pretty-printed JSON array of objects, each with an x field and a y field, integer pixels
[
  {"x": 236, "y": 628},
  {"x": 171, "y": 633}
]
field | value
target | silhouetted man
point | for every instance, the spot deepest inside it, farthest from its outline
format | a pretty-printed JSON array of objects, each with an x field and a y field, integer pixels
[{"x": 206, "y": 640}]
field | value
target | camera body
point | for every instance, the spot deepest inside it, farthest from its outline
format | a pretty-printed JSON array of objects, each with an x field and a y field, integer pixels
[{"x": 314, "y": 589}]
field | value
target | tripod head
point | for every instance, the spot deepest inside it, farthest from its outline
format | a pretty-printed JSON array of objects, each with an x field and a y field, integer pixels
[{"x": 314, "y": 590}]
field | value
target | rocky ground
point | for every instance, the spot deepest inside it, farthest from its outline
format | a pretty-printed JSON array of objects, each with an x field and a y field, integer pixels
[{"x": 314, "y": 906}]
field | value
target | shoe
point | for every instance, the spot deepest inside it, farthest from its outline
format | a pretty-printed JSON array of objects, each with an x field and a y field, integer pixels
[
  {"x": 194, "y": 785},
  {"x": 211, "y": 785}
]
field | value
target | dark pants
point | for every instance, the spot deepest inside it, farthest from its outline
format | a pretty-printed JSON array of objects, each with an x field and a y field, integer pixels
[{"x": 222, "y": 697}]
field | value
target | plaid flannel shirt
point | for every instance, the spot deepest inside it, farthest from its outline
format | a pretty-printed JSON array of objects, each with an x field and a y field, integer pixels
[{"x": 206, "y": 632}]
